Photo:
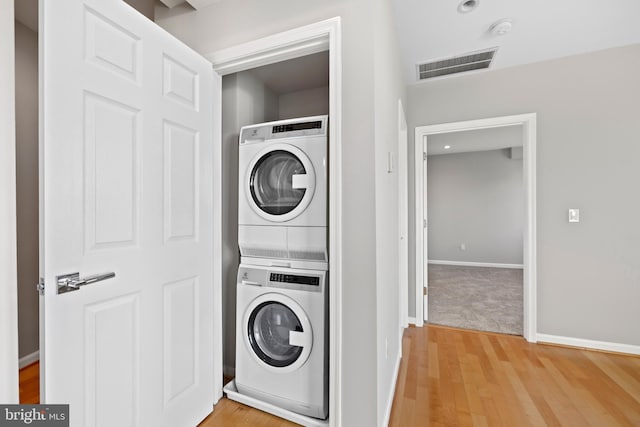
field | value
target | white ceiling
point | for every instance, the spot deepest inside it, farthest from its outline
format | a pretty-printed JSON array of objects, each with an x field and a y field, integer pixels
[
  {"x": 542, "y": 29},
  {"x": 475, "y": 140}
]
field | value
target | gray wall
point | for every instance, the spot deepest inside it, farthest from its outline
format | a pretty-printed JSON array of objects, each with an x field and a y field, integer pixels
[
  {"x": 475, "y": 198},
  {"x": 245, "y": 101},
  {"x": 587, "y": 157},
  {"x": 145, "y": 7},
  {"x": 369, "y": 128},
  {"x": 310, "y": 102},
  {"x": 27, "y": 186}
]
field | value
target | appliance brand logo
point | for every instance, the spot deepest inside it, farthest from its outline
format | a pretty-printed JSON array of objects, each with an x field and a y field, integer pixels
[{"x": 34, "y": 415}]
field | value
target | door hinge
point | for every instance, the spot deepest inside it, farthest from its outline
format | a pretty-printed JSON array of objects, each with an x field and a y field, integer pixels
[
  {"x": 40, "y": 286},
  {"x": 424, "y": 223},
  {"x": 424, "y": 290},
  {"x": 424, "y": 156}
]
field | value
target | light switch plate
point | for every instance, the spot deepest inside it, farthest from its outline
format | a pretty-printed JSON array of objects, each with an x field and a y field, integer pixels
[{"x": 574, "y": 215}]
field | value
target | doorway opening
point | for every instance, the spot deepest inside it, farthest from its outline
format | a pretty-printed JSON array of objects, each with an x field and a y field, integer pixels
[
  {"x": 525, "y": 125},
  {"x": 475, "y": 199}
]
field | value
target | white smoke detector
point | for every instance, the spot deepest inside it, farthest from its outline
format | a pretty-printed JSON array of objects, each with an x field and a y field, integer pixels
[{"x": 501, "y": 27}]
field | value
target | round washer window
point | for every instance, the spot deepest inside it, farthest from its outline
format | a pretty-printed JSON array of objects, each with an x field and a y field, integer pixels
[
  {"x": 268, "y": 331},
  {"x": 271, "y": 182}
]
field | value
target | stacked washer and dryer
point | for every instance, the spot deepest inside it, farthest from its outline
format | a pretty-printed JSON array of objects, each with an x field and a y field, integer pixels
[{"x": 282, "y": 287}]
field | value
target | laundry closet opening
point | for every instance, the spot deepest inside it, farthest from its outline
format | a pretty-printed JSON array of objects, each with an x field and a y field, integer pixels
[{"x": 288, "y": 89}]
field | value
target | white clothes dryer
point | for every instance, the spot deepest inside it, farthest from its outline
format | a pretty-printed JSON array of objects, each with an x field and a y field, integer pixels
[
  {"x": 282, "y": 198},
  {"x": 281, "y": 338}
]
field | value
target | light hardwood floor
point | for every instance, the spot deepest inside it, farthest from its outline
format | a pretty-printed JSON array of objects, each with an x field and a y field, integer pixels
[
  {"x": 454, "y": 377},
  {"x": 234, "y": 414},
  {"x": 30, "y": 384}
]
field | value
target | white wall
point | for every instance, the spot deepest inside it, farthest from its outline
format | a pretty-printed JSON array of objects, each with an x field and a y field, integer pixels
[
  {"x": 388, "y": 87},
  {"x": 303, "y": 103},
  {"x": 27, "y": 186},
  {"x": 475, "y": 199},
  {"x": 8, "y": 274},
  {"x": 587, "y": 157},
  {"x": 245, "y": 101},
  {"x": 226, "y": 24}
]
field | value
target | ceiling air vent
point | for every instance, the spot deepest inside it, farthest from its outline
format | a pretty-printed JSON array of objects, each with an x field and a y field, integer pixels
[{"x": 457, "y": 64}]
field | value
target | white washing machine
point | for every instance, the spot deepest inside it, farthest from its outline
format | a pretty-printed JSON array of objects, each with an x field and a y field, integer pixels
[
  {"x": 282, "y": 198},
  {"x": 281, "y": 338}
]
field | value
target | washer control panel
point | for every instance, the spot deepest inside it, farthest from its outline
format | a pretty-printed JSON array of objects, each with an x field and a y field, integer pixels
[
  {"x": 285, "y": 278},
  {"x": 294, "y": 278}
]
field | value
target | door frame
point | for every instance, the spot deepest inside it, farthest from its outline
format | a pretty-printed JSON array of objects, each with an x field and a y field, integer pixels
[
  {"x": 317, "y": 37},
  {"x": 528, "y": 123},
  {"x": 8, "y": 250}
]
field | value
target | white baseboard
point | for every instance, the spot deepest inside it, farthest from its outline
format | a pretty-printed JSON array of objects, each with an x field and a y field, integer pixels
[
  {"x": 411, "y": 321},
  {"x": 392, "y": 392},
  {"x": 590, "y": 344},
  {"x": 229, "y": 371},
  {"x": 29, "y": 359},
  {"x": 475, "y": 264}
]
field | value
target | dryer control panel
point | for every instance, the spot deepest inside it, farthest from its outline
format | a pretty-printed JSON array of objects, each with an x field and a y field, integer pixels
[{"x": 306, "y": 126}]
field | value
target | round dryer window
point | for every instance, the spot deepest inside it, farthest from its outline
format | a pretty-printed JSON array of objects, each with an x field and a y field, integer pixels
[
  {"x": 278, "y": 336},
  {"x": 281, "y": 182}
]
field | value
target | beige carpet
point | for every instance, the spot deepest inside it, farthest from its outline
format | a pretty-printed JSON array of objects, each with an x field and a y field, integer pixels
[{"x": 480, "y": 298}]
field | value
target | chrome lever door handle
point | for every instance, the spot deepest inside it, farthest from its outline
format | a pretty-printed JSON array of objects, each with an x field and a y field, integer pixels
[{"x": 73, "y": 282}]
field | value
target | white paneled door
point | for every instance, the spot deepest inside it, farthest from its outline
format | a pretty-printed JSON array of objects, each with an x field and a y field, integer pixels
[{"x": 127, "y": 184}]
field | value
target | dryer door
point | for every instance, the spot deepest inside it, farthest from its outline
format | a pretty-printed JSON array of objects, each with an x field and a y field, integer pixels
[
  {"x": 281, "y": 182},
  {"x": 278, "y": 333}
]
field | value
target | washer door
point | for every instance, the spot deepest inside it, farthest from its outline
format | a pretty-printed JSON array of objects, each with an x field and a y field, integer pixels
[
  {"x": 280, "y": 182},
  {"x": 277, "y": 332}
]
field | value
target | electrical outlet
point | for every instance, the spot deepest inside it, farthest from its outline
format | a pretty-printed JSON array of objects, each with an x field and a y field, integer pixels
[{"x": 463, "y": 246}]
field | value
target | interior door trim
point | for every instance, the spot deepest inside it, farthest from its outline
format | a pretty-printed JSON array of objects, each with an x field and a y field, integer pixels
[
  {"x": 528, "y": 123},
  {"x": 317, "y": 37}
]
